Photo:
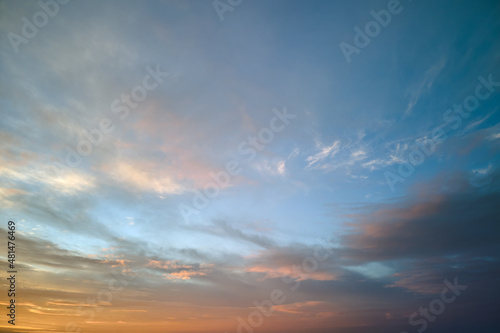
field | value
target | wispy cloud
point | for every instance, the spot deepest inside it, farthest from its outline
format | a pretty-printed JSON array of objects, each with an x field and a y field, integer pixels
[
  {"x": 425, "y": 84},
  {"x": 316, "y": 161}
]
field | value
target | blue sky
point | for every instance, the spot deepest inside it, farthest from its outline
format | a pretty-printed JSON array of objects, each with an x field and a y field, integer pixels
[{"x": 323, "y": 177}]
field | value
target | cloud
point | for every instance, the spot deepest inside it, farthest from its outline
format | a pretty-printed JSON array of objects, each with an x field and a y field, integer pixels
[
  {"x": 279, "y": 262},
  {"x": 473, "y": 125},
  {"x": 24, "y": 168},
  {"x": 425, "y": 84},
  {"x": 225, "y": 230},
  {"x": 436, "y": 224},
  {"x": 144, "y": 177},
  {"x": 442, "y": 229},
  {"x": 175, "y": 270},
  {"x": 59, "y": 180},
  {"x": 311, "y": 309},
  {"x": 324, "y": 153},
  {"x": 275, "y": 167}
]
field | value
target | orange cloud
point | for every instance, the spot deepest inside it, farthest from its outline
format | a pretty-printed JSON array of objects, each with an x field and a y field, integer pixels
[
  {"x": 183, "y": 275},
  {"x": 117, "y": 262},
  {"x": 185, "y": 271},
  {"x": 271, "y": 273}
]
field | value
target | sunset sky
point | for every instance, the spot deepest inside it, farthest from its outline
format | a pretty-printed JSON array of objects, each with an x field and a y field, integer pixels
[{"x": 181, "y": 166}]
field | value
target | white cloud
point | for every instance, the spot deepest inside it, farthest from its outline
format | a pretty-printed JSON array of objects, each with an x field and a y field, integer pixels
[
  {"x": 482, "y": 171},
  {"x": 275, "y": 167},
  {"x": 62, "y": 180},
  {"x": 475, "y": 124},
  {"x": 494, "y": 136},
  {"x": 281, "y": 167},
  {"x": 424, "y": 85},
  {"x": 324, "y": 153},
  {"x": 294, "y": 153}
]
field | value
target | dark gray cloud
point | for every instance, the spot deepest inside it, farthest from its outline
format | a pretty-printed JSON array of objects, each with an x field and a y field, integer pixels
[{"x": 459, "y": 219}]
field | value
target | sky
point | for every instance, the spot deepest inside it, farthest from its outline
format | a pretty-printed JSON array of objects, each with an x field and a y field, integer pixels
[{"x": 251, "y": 166}]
